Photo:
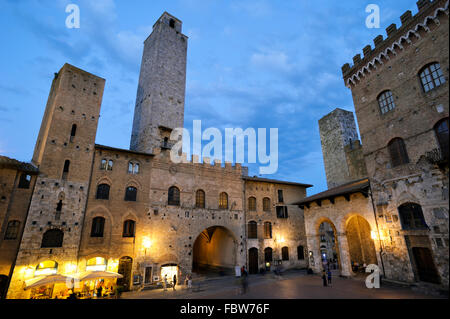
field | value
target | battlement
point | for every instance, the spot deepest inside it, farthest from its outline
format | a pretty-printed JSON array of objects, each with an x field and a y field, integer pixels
[
  {"x": 397, "y": 38},
  {"x": 214, "y": 164}
]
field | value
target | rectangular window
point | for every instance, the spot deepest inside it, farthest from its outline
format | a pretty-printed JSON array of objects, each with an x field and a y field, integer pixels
[
  {"x": 282, "y": 212},
  {"x": 24, "y": 181},
  {"x": 280, "y": 196}
]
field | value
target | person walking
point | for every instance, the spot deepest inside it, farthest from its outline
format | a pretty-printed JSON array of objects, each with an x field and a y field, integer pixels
[
  {"x": 324, "y": 278},
  {"x": 165, "y": 283},
  {"x": 174, "y": 282},
  {"x": 329, "y": 277},
  {"x": 189, "y": 282}
]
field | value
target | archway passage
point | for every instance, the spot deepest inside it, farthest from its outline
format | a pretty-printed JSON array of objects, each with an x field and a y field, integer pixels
[
  {"x": 328, "y": 246},
  {"x": 125, "y": 267},
  {"x": 214, "y": 252},
  {"x": 360, "y": 244}
]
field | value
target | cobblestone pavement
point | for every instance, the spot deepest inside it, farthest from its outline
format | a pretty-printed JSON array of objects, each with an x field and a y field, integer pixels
[{"x": 295, "y": 285}]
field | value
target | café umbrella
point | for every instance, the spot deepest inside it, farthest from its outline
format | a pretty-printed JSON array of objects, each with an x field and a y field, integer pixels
[
  {"x": 47, "y": 280},
  {"x": 92, "y": 275}
]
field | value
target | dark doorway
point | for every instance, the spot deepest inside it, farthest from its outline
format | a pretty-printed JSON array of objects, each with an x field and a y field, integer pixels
[
  {"x": 3, "y": 286},
  {"x": 148, "y": 275},
  {"x": 125, "y": 267},
  {"x": 253, "y": 261},
  {"x": 426, "y": 269}
]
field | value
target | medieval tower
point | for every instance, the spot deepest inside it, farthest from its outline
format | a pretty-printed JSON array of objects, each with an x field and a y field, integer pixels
[
  {"x": 341, "y": 148},
  {"x": 162, "y": 82}
]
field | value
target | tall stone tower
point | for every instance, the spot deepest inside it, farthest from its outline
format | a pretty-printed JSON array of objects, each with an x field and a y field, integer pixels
[
  {"x": 162, "y": 83},
  {"x": 341, "y": 148},
  {"x": 64, "y": 154}
]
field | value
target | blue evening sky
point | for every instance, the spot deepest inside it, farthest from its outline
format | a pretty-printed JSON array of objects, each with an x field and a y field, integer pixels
[{"x": 252, "y": 63}]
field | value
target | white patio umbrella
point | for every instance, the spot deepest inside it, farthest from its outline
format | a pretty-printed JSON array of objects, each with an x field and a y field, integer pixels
[
  {"x": 91, "y": 275},
  {"x": 47, "y": 280}
]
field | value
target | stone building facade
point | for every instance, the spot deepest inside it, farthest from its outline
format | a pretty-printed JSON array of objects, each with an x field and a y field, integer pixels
[
  {"x": 400, "y": 94},
  {"x": 135, "y": 212}
]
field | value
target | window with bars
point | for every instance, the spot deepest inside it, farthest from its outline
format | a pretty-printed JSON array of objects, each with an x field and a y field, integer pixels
[
  {"x": 441, "y": 130},
  {"x": 386, "y": 102},
  {"x": 397, "y": 151},
  {"x": 102, "y": 191},
  {"x": 130, "y": 194},
  {"x": 252, "y": 204},
  {"x": 52, "y": 238},
  {"x": 252, "y": 230},
  {"x": 174, "y": 196},
  {"x": 223, "y": 201},
  {"x": 128, "y": 228},
  {"x": 24, "y": 181},
  {"x": 285, "y": 253},
  {"x": 411, "y": 216},
  {"x": 266, "y": 204},
  {"x": 12, "y": 230},
  {"x": 200, "y": 199},
  {"x": 98, "y": 225},
  {"x": 267, "y": 230},
  {"x": 282, "y": 212},
  {"x": 431, "y": 76}
]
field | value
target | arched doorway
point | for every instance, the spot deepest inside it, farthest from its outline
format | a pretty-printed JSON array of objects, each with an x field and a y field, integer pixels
[
  {"x": 125, "y": 267},
  {"x": 214, "y": 252},
  {"x": 360, "y": 243},
  {"x": 329, "y": 255},
  {"x": 268, "y": 257},
  {"x": 253, "y": 260}
]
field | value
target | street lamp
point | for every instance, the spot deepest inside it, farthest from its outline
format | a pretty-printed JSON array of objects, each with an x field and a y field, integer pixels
[{"x": 146, "y": 243}]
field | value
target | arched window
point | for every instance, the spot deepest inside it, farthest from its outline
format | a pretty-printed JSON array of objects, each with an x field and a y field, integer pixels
[
  {"x": 267, "y": 230},
  {"x": 133, "y": 168},
  {"x": 130, "y": 168},
  {"x": 98, "y": 225},
  {"x": 73, "y": 132},
  {"x": 52, "y": 238},
  {"x": 66, "y": 169},
  {"x": 104, "y": 164},
  {"x": 386, "y": 102},
  {"x": 252, "y": 204},
  {"x": 223, "y": 201},
  {"x": 102, "y": 191},
  {"x": 12, "y": 230},
  {"x": 411, "y": 216},
  {"x": 266, "y": 204},
  {"x": 300, "y": 253},
  {"x": 431, "y": 76},
  {"x": 252, "y": 229},
  {"x": 173, "y": 196},
  {"x": 110, "y": 165},
  {"x": 200, "y": 199},
  {"x": 268, "y": 255},
  {"x": 130, "y": 194},
  {"x": 441, "y": 130},
  {"x": 48, "y": 267},
  {"x": 136, "y": 168},
  {"x": 128, "y": 228},
  {"x": 285, "y": 253},
  {"x": 397, "y": 151},
  {"x": 24, "y": 181}
]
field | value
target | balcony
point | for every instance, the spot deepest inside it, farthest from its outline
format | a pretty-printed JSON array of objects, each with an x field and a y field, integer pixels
[{"x": 438, "y": 156}]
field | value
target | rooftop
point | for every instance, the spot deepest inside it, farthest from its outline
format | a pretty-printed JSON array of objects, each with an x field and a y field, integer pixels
[
  {"x": 115, "y": 149},
  {"x": 6, "y": 162},
  {"x": 274, "y": 181}
]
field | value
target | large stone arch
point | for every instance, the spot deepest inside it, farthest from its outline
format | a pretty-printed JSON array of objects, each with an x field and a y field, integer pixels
[{"x": 215, "y": 250}]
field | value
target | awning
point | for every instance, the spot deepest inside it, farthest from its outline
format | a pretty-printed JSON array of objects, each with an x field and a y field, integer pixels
[
  {"x": 47, "y": 280},
  {"x": 91, "y": 275}
]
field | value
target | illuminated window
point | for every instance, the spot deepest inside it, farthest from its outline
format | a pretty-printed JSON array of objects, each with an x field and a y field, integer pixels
[
  {"x": 96, "y": 264},
  {"x": 52, "y": 238},
  {"x": 267, "y": 230},
  {"x": 252, "y": 204},
  {"x": 431, "y": 76},
  {"x": 173, "y": 196},
  {"x": 12, "y": 230},
  {"x": 386, "y": 102},
  {"x": 223, "y": 201},
  {"x": 200, "y": 199},
  {"x": 266, "y": 204},
  {"x": 48, "y": 267}
]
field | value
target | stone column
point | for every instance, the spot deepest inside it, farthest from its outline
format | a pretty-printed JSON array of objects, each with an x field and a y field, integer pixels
[
  {"x": 344, "y": 255},
  {"x": 315, "y": 261}
]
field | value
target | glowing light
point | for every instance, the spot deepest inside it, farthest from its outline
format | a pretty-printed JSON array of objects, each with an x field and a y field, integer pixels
[
  {"x": 373, "y": 234},
  {"x": 146, "y": 242},
  {"x": 170, "y": 271},
  {"x": 282, "y": 240},
  {"x": 71, "y": 268}
]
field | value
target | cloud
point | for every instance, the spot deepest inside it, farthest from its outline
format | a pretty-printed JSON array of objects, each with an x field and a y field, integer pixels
[{"x": 272, "y": 60}]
